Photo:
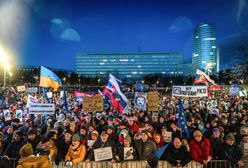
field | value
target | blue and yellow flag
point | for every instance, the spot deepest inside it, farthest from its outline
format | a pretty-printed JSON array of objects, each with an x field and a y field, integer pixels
[{"x": 49, "y": 79}]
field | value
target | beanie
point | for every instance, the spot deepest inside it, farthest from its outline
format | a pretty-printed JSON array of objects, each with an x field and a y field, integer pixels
[
  {"x": 26, "y": 150},
  {"x": 230, "y": 137},
  {"x": 75, "y": 137}
]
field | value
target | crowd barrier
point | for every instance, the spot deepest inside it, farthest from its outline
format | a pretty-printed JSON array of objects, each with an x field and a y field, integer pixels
[{"x": 142, "y": 164}]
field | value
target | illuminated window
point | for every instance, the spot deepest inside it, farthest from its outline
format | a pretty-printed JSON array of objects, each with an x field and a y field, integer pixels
[{"x": 123, "y": 60}]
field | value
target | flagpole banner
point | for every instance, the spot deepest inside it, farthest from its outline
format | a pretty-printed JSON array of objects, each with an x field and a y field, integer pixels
[
  {"x": 49, "y": 79},
  {"x": 140, "y": 100},
  {"x": 38, "y": 108},
  {"x": 21, "y": 88},
  {"x": 152, "y": 101},
  {"x": 93, "y": 104},
  {"x": 190, "y": 91}
]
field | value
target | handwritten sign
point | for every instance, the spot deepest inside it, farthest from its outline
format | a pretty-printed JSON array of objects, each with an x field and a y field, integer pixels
[
  {"x": 103, "y": 154},
  {"x": 152, "y": 98},
  {"x": 21, "y": 88},
  {"x": 93, "y": 104}
]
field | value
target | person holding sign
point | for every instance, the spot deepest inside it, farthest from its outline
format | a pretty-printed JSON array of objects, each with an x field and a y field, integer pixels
[
  {"x": 105, "y": 144},
  {"x": 126, "y": 151},
  {"x": 176, "y": 153},
  {"x": 76, "y": 152}
]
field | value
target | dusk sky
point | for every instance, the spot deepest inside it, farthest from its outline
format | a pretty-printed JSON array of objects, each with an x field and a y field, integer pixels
[{"x": 51, "y": 32}]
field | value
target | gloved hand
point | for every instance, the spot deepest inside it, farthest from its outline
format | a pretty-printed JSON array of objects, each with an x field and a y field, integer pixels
[{"x": 68, "y": 163}]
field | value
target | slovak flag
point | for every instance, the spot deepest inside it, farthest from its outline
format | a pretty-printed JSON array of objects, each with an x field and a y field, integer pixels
[
  {"x": 201, "y": 77},
  {"x": 112, "y": 91}
]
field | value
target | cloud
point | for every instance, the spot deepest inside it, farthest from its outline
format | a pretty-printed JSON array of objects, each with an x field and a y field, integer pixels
[
  {"x": 70, "y": 35},
  {"x": 180, "y": 24},
  {"x": 57, "y": 21}
]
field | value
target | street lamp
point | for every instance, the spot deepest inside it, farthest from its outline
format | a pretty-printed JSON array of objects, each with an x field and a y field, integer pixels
[
  {"x": 99, "y": 80},
  {"x": 4, "y": 60},
  {"x": 64, "y": 79},
  {"x": 10, "y": 75}
]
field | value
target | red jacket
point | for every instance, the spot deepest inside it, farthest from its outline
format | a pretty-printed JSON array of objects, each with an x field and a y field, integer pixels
[{"x": 200, "y": 150}]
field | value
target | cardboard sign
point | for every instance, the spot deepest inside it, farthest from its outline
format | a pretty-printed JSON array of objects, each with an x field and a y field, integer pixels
[
  {"x": 152, "y": 99},
  {"x": 38, "y": 108},
  {"x": 21, "y": 88},
  {"x": 212, "y": 104},
  {"x": 168, "y": 136},
  {"x": 128, "y": 153},
  {"x": 103, "y": 154},
  {"x": 190, "y": 91},
  {"x": 93, "y": 104}
]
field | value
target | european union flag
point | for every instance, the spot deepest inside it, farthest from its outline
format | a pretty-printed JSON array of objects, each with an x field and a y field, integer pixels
[
  {"x": 49, "y": 79},
  {"x": 182, "y": 121}
]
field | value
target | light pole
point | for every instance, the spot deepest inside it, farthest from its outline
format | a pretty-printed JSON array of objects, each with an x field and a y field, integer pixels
[
  {"x": 64, "y": 79},
  {"x": 10, "y": 75}
]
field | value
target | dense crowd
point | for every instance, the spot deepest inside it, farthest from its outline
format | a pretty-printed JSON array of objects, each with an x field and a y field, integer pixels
[{"x": 72, "y": 135}]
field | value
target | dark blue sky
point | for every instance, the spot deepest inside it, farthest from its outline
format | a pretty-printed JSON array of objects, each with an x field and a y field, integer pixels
[{"x": 51, "y": 32}]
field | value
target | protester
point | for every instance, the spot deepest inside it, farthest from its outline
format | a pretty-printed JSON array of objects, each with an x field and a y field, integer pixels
[
  {"x": 28, "y": 160},
  {"x": 144, "y": 146},
  {"x": 176, "y": 153},
  {"x": 76, "y": 152},
  {"x": 231, "y": 151},
  {"x": 200, "y": 148}
]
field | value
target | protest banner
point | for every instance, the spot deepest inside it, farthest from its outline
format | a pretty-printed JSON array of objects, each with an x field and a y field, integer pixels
[
  {"x": 32, "y": 90},
  {"x": 152, "y": 101},
  {"x": 234, "y": 90},
  {"x": 38, "y": 108},
  {"x": 21, "y": 88},
  {"x": 140, "y": 100},
  {"x": 214, "y": 111},
  {"x": 190, "y": 91},
  {"x": 128, "y": 153},
  {"x": 103, "y": 154},
  {"x": 93, "y": 104}
]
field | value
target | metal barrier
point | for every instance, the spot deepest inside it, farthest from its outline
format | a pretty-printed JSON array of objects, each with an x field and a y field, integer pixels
[{"x": 142, "y": 164}]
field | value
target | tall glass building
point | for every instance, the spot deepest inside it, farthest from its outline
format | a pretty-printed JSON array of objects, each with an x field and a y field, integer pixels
[
  {"x": 130, "y": 65},
  {"x": 205, "y": 55}
]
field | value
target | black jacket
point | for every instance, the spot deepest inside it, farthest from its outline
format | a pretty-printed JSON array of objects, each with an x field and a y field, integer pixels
[
  {"x": 231, "y": 153},
  {"x": 13, "y": 149},
  {"x": 173, "y": 155}
]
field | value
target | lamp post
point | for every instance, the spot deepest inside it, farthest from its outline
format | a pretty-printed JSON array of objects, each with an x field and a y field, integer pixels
[{"x": 10, "y": 75}]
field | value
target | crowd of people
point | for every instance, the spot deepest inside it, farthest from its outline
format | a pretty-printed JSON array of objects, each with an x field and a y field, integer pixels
[{"x": 72, "y": 135}]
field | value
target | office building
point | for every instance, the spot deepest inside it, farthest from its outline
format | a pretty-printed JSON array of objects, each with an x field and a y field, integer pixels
[
  {"x": 128, "y": 65},
  {"x": 205, "y": 54}
]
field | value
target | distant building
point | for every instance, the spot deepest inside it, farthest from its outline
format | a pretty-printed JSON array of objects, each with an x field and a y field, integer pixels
[
  {"x": 206, "y": 55},
  {"x": 129, "y": 65}
]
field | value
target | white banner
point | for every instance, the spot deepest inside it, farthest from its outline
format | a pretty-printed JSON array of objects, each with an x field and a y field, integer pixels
[
  {"x": 38, "y": 108},
  {"x": 103, "y": 154},
  {"x": 190, "y": 91},
  {"x": 32, "y": 90}
]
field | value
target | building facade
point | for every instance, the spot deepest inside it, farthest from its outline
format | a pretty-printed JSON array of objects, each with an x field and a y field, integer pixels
[
  {"x": 205, "y": 54},
  {"x": 128, "y": 65}
]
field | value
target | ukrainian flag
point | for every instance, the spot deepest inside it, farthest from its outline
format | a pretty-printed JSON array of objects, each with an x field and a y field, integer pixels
[{"x": 49, "y": 79}]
